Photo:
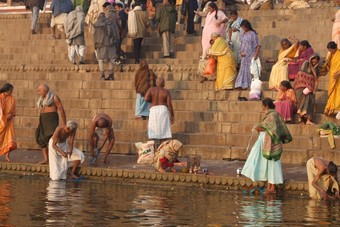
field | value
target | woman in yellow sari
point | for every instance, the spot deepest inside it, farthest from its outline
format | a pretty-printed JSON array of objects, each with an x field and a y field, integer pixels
[
  {"x": 280, "y": 69},
  {"x": 333, "y": 66},
  {"x": 226, "y": 64},
  {"x": 7, "y": 113}
]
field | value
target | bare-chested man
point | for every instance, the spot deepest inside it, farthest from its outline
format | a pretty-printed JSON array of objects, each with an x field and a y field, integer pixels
[
  {"x": 49, "y": 105},
  {"x": 159, "y": 122},
  {"x": 322, "y": 178},
  {"x": 100, "y": 124},
  {"x": 62, "y": 154}
]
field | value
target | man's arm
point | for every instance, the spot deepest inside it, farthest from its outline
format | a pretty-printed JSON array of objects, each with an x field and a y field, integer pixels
[
  {"x": 321, "y": 169},
  {"x": 60, "y": 107},
  {"x": 90, "y": 136},
  {"x": 171, "y": 110},
  {"x": 147, "y": 96},
  {"x": 70, "y": 142}
]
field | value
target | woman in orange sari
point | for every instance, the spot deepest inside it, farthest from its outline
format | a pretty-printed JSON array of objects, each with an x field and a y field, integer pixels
[
  {"x": 285, "y": 102},
  {"x": 333, "y": 66},
  {"x": 7, "y": 113}
]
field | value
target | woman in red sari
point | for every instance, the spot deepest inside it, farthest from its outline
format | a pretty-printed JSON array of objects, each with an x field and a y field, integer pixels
[
  {"x": 7, "y": 113},
  {"x": 304, "y": 53},
  {"x": 285, "y": 102}
]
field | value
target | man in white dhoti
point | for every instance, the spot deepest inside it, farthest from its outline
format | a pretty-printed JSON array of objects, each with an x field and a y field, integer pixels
[
  {"x": 159, "y": 122},
  {"x": 322, "y": 179},
  {"x": 62, "y": 154}
]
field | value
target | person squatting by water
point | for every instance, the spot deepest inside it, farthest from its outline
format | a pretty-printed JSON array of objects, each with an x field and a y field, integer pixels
[
  {"x": 161, "y": 105},
  {"x": 166, "y": 156},
  {"x": 62, "y": 154},
  {"x": 322, "y": 179},
  {"x": 263, "y": 162},
  {"x": 100, "y": 128},
  {"x": 7, "y": 114},
  {"x": 49, "y": 104}
]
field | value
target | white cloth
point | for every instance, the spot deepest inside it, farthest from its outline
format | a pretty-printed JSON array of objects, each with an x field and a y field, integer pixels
[
  {"x": 75, "y": 49},
  {"x": 47, "y": 101},
  {"x": 255, "y": 68},
  {"x": 132, "y": 23},
  {"x": 59, "y": 164},
  {"x": 159, "y": 123}
]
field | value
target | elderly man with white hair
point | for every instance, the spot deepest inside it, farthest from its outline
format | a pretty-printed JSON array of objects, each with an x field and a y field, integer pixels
[
  {"x": 62, "y": 153},
  {"x": 49, "y": 104}
]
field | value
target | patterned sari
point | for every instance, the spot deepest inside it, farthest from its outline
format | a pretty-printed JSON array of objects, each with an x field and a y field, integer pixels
[
  {"x": 7, "y": 141},
  {"x": 294, "y": 67},
  {"x": 276, "y": 134}
]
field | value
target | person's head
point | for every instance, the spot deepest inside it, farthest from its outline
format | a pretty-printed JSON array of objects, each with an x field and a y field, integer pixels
[
  {"x": 285, "y": 43},
  {"x": 314, "y": 59},
  {"x": 165, "y": 1},
  {"x": 285, "y": 85},
  {"x": 213, "y": 8},
  {"x": 332, "y": 169},
  {"x": 71, "y": 126},
  {"x": 267, "y": 103},
  {"x": 101, "y": 123},
  {"x": 106, "y": 4},
  {"x": 214, "y": 36},
  {"x": 143, "y": 64},
  {"x": 304, "y": 44},
  {"x": 332, "y": 47},
  {"x": 246, "y": 26},
  {"x": 160, "y": 82},
  {"x": 233, "y": 15},
  {"x": 7, "y": 89},
  {"x": 119, "y": 6},
  {"x": 43, "y": 89}
]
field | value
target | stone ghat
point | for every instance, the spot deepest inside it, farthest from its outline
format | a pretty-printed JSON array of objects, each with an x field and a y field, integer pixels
[{"x": 117, "y": 175}]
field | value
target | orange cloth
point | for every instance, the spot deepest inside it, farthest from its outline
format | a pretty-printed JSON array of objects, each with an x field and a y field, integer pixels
[
  {"x": 7, "y": 141},
  {"x": 333, "y": 102},
  {"x": 287, "y": 95}
]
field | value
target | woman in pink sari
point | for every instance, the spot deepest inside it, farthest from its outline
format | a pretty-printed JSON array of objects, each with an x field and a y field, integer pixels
[
  {"x": 285, "y": 102},
  {"x": 304, "y": 53},
  {"x": 212, "y": 24}
]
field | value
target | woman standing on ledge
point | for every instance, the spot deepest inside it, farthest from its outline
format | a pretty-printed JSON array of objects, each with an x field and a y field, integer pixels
[
  {"x": 263, "y": 162},
  {"x": 7, "y": 113}
]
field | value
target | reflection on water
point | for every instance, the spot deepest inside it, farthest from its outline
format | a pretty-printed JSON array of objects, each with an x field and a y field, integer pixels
[{"x": 39, "y": 202}]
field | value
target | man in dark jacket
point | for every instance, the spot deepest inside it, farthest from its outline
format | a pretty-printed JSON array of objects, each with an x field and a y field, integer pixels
[
  {"x": 60, "y": 9},
  {"x": 191, "y": 6},
  {"x": 166, "y": 14},
  {"x": 34, "y": 6}
]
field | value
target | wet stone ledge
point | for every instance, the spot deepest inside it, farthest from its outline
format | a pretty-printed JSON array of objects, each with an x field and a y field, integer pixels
[{"x": 147, "y": 177}]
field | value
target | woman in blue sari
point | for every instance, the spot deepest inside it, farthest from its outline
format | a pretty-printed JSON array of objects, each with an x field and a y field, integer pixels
[{"x": 263, "y": 162}]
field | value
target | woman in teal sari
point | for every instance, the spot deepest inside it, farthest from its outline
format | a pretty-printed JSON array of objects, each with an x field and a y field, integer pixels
[{"x": 263, "y": 162}]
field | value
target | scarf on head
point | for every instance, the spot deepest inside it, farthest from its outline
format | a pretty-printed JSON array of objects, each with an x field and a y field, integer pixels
[{"x": 47, "y": 101}]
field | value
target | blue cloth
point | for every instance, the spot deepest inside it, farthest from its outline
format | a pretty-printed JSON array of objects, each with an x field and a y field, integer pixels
[
  {"x": 142, "y": 106},
  {"x": 257, "y": 168},
  {"x": 61, "y": 6}
]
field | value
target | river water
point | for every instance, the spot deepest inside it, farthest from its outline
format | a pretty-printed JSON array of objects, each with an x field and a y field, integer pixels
[{"x": 28, "y": 201}]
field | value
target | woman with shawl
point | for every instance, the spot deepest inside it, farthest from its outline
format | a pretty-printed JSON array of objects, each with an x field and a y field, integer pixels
[
  {"x": 7, "y": 113},
  {"x": 333, "y": 66},
  {"x": 212, "y": 24},
  {"x": 226, "y": 64},
  {"x": 233, "y": 34},
  {"x": 280, "y": 68},
  {"x": 166, "y": 156},
  {"x": 145, "y": 78},
  {"x": 263, "y": 162},
  {"x": 304, "y": 53},
  {"x": 305, "y": 86},
  {"x": 249, "y": 49},
  {"x": 285, "y": 102}
]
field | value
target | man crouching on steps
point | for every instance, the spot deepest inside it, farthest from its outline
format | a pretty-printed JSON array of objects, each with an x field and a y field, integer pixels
[
  {"x": 62, "y": 153},
  {"x": 101, "y": 124},
  {"x": 49, "y": 104},
  {"x": 159, "y": 122}
]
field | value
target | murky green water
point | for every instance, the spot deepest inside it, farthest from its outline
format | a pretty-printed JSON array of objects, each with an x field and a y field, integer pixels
[{"x": 40, "y": 202}]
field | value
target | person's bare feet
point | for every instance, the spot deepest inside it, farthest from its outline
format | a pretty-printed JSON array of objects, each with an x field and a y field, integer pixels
[
  {"x": 173, "y": 170},
  {"x": 73, "y": 176},
  {"x": 105, "y": 161},
  {"x": 43, "y": 162},
  {"x": 270, "y": 192},
  {"x": 7, "y": 157},
  {"x": 308, "y": 122}
]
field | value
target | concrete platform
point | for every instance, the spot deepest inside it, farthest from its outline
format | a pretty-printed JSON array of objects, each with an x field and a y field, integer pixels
[{"x": 123, "y": 168}]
